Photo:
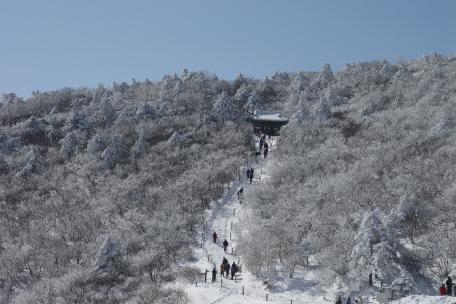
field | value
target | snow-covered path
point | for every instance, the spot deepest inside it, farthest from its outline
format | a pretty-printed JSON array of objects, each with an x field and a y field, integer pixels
[{"x": 230, "y": 218}]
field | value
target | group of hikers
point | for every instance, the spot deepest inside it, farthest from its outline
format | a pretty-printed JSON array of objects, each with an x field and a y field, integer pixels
[
  {"x": 225, "y": 270},
  {"x": 448, "y": 289},
  {"x": 349, "y": 301}
]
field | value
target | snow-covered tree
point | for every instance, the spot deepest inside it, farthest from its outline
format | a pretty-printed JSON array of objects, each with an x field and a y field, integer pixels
[
  {"x": 251, "y": 103},
  {"x": 323, "y": 109},
  {"x": 96, "y": 145},
  {"x": 139, "y": 148},
  {"x": 116, "y": 152},
  {"x": 146, "y": 112},
  {"x": 222, "y": 108}
]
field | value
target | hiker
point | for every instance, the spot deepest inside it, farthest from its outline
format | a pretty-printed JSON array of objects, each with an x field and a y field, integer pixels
[
  {"x": 339, "y": 301},
  {"x": 240, "y": 192},
  {"x": 225, "y": 245},
  {"x": 214, "y": 236},
  {"x": 225, "y": 261},
  {"x": 214, "y": 274},
  {"x": 443, "y": 290},
  {"x": 265, "y": 153},
  {"x": 247, "y": 173},
  {"x": 227, "y": 269},
  {"x": 222, "y": 270},
  {"x": 261, "y": 143},
  {"x": 266, "y": 146},
  {"x": 233, "y": 270},
  {"x": 251, "y": 175},
  {"x": 449, "y": 284},
  {"x": 349, "y": 301}
]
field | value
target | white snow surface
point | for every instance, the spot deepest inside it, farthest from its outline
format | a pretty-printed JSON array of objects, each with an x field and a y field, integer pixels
[
  {"x": 421, "y": 299},
  {"x": 230, "y": 216}
]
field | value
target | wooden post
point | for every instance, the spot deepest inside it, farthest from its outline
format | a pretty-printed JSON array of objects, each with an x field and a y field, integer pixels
[
  {"x": 221, "y": 282},
  {"x": 266, "y": 297},
  {"x": 196, "y": 284},
  {"x": 208, "y": 258},
  {"x": 205, "y": 276},
  {"x": 230, "y": 236},
  {"x": 201, "y": 245},
  {"x": 243, "y": 290},
  {"x": 234, "y": 214},
  {"x": 291, "y": 301}
]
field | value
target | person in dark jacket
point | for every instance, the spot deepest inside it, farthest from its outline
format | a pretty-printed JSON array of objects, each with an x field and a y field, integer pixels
[
  {"x": 349, "y": 301},
  {"x": 214, "y": 274},
  {"x": 265, "y": 153},
  {"x": 227, "y": 269},
  {"x": 449, "y": 284},
  {"x": 251, "y": 175},
  {"x": 214, "y": 236},
  {"x": 266, "y": 146},
  {"x": 233, "y": 270},
  {"x": 247, "y": 173},
  {"x": 225, "y": 245},
  {"x": 339, "y": 301},
  {"x": 239, "y": 193},
  {"x": 261, "y": 143}
]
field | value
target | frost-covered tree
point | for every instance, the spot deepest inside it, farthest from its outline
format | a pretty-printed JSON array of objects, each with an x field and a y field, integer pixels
[
  {"x": 146, "y": 112},
  {"x": 222, "y": 108},
  {"x": 116, "y": 152},
  {"x": 139, "y": 148},
  {"x": 96, "y": 145},
  {"x": 30, "y": 166},
  {"x": 251, "y": 103},
  {"x": 325, "y": 77},
  {"x": 76, "y": 121},
  {"x": 323, "y": 110}
]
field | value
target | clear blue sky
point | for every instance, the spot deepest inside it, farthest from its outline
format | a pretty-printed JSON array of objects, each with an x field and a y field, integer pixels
[{"x": 50, "y": 44}]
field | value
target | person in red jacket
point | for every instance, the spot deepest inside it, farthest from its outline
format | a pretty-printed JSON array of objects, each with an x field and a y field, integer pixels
[{"x": 443, "y": 290}]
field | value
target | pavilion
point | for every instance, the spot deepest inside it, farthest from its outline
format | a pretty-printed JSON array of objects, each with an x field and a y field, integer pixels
[{"x": 267, "y": 122}]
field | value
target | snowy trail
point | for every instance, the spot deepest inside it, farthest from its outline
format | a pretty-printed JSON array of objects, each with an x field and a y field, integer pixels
[{"x": 230, "y": 219}]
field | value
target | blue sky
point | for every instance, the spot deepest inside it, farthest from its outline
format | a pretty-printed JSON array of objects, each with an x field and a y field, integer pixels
[{"x": 50, "y": 44}]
